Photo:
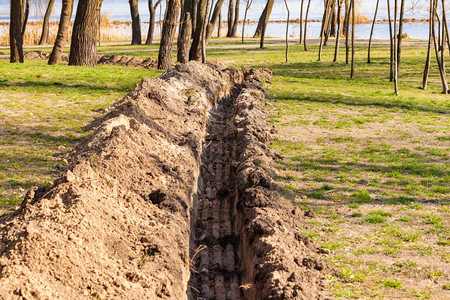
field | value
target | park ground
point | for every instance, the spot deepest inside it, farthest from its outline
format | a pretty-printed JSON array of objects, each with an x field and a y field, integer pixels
[{"x": 370, "y": 169}]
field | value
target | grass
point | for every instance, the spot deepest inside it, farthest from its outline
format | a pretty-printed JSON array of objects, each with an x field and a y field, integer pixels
[{"x": 372, "y": 166}]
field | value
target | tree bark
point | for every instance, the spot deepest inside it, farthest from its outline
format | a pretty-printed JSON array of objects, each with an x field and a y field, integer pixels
[
  {"x": 45, "y": 26},
  {"x": 184, "y": 41},
  {"x": 400, "y": 32},
  {"x": 151, "y": 24},
  {"x": 247, "y": 6},
  {"x": 262, "y": 19},
  {"x": 15, "y": 31},
  {"x": 352, "y": 73},
  {"x": 391, "y": 34},
  {"x": 301, "y": 23},
  {"x": 371, "y": 31},
  {"x": 25, "y": 17},
  {"x": 63, "y": 28},
  {"x": 196, "y": 47},
  {"x": 205, "y": 23},
  {"x": 265, "y": 21},
  {"x": 306, "y": 25},
  {"x": 426, "y": 71},
  {"x": 230, "y": 18},
  {"x": 338, "y": 32},
  {"x": 214, "y": 18},
  {"x": 287, "y": 30},
  {"x": 168, "y": 34},
  {"x": 236, "y": 19},
  {"x": 136, "y": 37},
  {"x": 83, "y": 51}
]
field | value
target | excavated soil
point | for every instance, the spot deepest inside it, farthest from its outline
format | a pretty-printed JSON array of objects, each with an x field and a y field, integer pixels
[
  {"x": 125, "y": 61},
  {"x": 171, "y": 197}
]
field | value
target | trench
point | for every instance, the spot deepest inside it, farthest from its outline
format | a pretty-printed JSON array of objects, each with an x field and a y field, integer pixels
[{"x": 215, "y": 272}]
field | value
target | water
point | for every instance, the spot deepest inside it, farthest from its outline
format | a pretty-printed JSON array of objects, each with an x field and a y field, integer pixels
[{"x": 119, "y": 10}]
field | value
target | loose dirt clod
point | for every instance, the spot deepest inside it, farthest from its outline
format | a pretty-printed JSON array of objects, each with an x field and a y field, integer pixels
[{"x": 167, "y": 199}]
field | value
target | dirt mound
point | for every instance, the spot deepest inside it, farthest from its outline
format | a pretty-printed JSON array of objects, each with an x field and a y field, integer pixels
[
  {"x": 128, "y": 61},
  {"x": 148, "y": 63},
  {"x": 279, "y": 261},
  {"x": 116, "y": 223},
  {"x": 36, "y": 55},
  {"x": 171, "y": 197}
]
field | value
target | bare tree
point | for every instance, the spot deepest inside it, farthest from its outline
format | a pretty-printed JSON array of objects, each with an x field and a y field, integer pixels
[
  {"x": 306, "y": 25},
  {"x": 247, "y": 7},
  {"x": 338, "y": 32},
  {"x": 301, "y": 23},
  {"x": 136, "y": 36},
  {"x": 151, "y": 25},
  {"x": 428, "y": 60},
  {"x": 371, "y": 31},
  {"x": 287, "y": 30},
  {"x": 15, "y": 31},
  {"x": 63, "y": 28},
  {"x": 235, "y": 19},
  {"x": 168, "y": 34},
  {"x": 265, "y": 21},
  {"x": 45, "y": 26},
  {"x": 230, "y": 18},
  {"x": 83, "y": 49},
  {"x": 325, "y": 22},
  {"x": 262, "y": 19},
  {"x": 214, "y": 18}
]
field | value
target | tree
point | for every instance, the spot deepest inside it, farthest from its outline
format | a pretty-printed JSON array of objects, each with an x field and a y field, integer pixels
[
  {"x": 168, "y": 34},
  {"x": 230, "y": 18},
  {"x": 236, "y": 19},
  {"x": 63, "y": 28},
  {"x": 196, "y": 46},
  {"x": 371, "y": 31},
  {"x": 301, "y": 23},
  {"x": 306, "y": 25},
  {"x": 247, "y": 6},
  {"x": 136, "y": 37},
  {"x": 184, "y": 39},
  {"x": 15, "y": 31},
  {"x": 45, "y": 31},
  {"x": 338, "y": 32},
  {"x": 287, "y": 29},
  {"x": 262, "y": 19},
  {"x": 151, "y": 24},
  {"x": 83, "y": 49},
  {"x": 265, "y": 21},
  {"x": 214, "y": 18}
]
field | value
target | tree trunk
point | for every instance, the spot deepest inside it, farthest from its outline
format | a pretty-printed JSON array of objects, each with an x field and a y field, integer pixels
[
  {"x": 301, "y": 22},
  {"x": 347, "y": 31},
  {"x": 151, "y": 24},
  {"x": 214, "y": 18},
  {"x": 45, "y": 25},
  {"x": 25, "y": 17},
  {"x": 338, "y": 32},
  {"x": 306, "y": 25},
  {"x": 184, "y": 41},
  {"x": 395, "y": 48},
  {"x": 83, "y": 51},
  {"x": 136, "y": 37},
  {"x": 236, "y": 19},
  {"x": 391, "y": 34},
  {"x": 15, "y": 31},
  {"x": 168, "y": 34},
  {"x": 325, "y": 20},
  {"x": 63, "y": 28},
  {"x": 266, "y": 20},
  {"x": 287, "y": 30},
  {"x": 426, "y": 71},
  {"x": 205, "y": 23},
  {"x": 262, "y": 19},
  {"x": 247, "y": 6},
  {"x": 400, "y": 32},
  {"x": 371, "y": 31},
  {"x": 219, "y": 26},
  {"x": 196, "y": 47},
  {"x": 230, "y": 18},
  {"x": 352, "y": 73},
  {"x": 436, "y": 49}
]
